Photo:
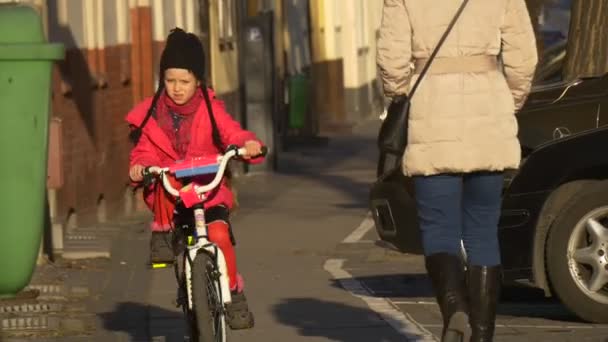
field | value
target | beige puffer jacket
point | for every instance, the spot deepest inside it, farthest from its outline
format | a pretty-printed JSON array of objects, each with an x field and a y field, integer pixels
[{"x": 459, "y": 121}]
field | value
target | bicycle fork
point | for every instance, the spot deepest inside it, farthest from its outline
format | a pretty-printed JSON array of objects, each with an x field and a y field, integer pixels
[{"x": 202, "y": 242}]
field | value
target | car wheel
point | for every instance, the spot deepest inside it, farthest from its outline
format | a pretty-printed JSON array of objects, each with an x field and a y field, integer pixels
[{"x": 577, "y": 254}]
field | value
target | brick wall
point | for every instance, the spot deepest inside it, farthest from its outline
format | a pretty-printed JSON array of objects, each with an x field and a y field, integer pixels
[{"x": 94, "y": 133}]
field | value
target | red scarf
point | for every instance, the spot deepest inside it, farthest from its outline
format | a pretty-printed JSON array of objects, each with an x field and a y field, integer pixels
[{"x": 176, "y": 122}]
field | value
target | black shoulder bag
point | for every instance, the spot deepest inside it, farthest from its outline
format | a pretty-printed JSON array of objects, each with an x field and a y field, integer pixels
[{"x": 391, "y": 196}]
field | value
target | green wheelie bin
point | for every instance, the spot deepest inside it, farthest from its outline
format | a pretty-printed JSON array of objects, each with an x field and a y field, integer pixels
[{"x": 26, "y": 61}]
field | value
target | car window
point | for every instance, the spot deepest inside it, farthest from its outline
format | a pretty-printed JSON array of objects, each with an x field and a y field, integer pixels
[{"x": 552, "y": 21}]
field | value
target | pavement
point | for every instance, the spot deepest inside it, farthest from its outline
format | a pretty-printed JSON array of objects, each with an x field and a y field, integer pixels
[{"x": 313, "y": 271}]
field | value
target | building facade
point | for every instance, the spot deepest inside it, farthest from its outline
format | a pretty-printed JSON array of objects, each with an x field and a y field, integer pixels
[{"x": 112, "y": 53}]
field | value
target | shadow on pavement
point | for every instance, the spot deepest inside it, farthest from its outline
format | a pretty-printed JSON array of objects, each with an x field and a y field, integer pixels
[
  {"x": 334, "y": 321},
  {"x": 516, "y": 300},
  {"x": 416, "y": 285},
  {"x": 137, "y": 320},
  {"x": 522, "y": 301},
  {"x": 332, "y": 165}
]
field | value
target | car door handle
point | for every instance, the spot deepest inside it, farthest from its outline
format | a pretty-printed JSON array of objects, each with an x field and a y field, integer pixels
[{"x": 570, "y": 85}]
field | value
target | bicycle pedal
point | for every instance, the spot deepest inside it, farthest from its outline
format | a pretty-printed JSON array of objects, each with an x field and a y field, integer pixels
[{"x": 160, "y": 265}]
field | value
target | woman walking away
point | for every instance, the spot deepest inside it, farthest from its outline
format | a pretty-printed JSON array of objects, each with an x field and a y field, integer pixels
[{"x": 462, "y": 136}]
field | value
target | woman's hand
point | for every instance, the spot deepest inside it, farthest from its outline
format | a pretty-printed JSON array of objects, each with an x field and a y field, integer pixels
[
  {"x": 254, "y": 148},
  {"x": 136, "y": 173}
]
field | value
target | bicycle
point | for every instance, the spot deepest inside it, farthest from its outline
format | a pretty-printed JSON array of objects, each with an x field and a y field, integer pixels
[{"x": 201, "y": 269}]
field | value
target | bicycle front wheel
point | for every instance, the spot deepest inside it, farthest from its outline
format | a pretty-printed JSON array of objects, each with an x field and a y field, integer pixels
[{"x": 208, "y": 308}]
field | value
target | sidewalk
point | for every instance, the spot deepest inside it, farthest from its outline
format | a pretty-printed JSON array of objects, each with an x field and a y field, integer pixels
[
  {"x": 524, "y": 314},
  {"x": 287, "y": 228},
  {"x": 307, "y": 249}
]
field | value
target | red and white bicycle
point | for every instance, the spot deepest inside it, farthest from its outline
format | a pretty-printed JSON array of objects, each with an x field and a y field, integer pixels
[{"x": 205, "y": 276}]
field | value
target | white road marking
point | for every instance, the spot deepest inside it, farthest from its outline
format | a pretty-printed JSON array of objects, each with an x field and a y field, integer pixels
[
  {"x": 524, "y": 326},
  {"x": 403, "y": 323},
  {"x": 366, "y": 225},
  {"x": 413, "y": 302}
]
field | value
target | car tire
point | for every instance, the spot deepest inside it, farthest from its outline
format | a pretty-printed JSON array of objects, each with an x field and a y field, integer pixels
[{"x": 569, "y": 279}]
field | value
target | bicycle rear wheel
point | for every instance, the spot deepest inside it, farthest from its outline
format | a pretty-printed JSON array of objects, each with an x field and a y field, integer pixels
[{"x": 208, "y": 308}]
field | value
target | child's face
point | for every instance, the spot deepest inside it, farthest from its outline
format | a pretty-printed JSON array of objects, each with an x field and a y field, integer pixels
[{"x": 180, "y": 85}]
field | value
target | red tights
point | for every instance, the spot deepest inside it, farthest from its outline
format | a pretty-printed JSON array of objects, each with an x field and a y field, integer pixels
[{"x": 219, "y": 233}]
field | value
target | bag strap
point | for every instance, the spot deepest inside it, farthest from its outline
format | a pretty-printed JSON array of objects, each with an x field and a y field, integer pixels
[{"x": 441, "y": 41}]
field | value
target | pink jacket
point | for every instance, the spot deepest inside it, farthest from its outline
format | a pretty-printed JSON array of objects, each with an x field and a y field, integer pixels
[{"x": 154, "y": 147}]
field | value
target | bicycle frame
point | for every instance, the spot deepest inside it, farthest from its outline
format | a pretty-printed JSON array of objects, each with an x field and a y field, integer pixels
[
  {"x": 212, "y": 249},
  {"x": 202, "y": 242}
]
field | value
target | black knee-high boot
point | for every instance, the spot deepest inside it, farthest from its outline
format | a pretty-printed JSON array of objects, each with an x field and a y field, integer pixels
[
  {"x": 448, "y": 277},
  {"x": 484, "y": 287}
]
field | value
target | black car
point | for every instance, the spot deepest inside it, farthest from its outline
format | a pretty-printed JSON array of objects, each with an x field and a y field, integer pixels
[{"x": 553, "y": 227}]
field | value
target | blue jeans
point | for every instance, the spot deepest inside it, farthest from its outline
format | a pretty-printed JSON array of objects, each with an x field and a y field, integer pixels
[{"x": 455, "y": 207}]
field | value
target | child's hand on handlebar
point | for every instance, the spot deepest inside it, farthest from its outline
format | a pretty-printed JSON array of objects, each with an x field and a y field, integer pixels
[
  {"x": 254, "y": 149},
  {"x": 136, "y": 173}
]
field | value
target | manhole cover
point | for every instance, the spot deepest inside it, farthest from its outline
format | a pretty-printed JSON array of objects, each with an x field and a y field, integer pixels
[
  {"x": 81, "y": 237},
  {"x": 48, "y": 289},
  {"x": 30, "y": 308},
  {"x": 38, "y": 323}
]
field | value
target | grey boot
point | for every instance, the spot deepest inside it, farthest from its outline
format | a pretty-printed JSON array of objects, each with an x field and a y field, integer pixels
[
  {"x": 238, "y": 314},
  {"x": 160, "y": 248}
]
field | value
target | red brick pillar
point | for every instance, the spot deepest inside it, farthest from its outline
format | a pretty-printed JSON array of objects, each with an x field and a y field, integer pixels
[{"x": 142, "y": 68}]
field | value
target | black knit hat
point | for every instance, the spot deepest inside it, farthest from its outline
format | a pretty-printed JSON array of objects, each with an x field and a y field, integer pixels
[{"x": 184, "y": 51}]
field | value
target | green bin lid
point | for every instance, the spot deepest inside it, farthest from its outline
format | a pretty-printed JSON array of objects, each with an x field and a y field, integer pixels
[{"x": 22, "y": 35}]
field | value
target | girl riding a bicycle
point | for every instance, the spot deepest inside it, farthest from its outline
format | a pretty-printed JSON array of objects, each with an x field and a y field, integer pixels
[{"x": 182, "y": 121}]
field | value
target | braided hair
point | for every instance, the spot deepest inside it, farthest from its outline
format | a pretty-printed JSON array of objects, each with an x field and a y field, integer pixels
[{"x": 136, "y": 132}]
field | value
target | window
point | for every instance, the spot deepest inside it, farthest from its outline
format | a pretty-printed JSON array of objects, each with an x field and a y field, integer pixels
[
  {"x": 226, "y": 24},
  {"x": 552, "y": 18}
]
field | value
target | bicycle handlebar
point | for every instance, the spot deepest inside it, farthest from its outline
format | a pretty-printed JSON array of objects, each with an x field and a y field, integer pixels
[{"x": 200, "y": 190}]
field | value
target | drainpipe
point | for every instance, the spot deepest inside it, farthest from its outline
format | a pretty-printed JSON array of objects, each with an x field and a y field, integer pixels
[
  {"x": 158, "y": 32},
  {"x": 189, "y": 16},
  {"x": 88, "y": 13},
  {"x": 122, "y": 39},
  {"x": 179, "y": 13},
  {"x": 100, "y": 45},
  {"x": 135, "y": 52}
]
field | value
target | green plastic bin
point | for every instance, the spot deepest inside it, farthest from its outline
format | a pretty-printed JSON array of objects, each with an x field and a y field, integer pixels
[
  {"x": 298, "y": 100},
  {"x": 26, "y": 62}
]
